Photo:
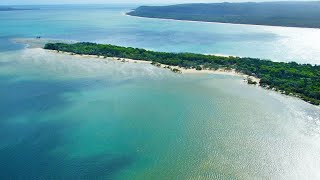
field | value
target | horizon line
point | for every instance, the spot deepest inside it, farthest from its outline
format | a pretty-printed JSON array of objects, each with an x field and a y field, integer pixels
[{"x": 131, "y": 3}]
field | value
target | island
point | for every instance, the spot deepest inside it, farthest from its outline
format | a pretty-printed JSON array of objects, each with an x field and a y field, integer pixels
[
  {"x": 299, "y": 80},
  {"x": 290, "y": 14}
]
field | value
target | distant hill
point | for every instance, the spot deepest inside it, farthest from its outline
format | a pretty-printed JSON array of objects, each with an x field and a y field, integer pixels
[{"x": 294, "y": 14}]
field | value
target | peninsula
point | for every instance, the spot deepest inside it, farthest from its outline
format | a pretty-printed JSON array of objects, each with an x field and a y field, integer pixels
[
  {"x": 290, "y": 14},
  {"x": 300, "y": 80}
]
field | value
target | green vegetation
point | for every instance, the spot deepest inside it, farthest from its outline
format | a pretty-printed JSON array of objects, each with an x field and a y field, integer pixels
[
  {"x": 250, "y": 81},
  {"x": 302, "y": 80},
  {"x": 198, "y": 68},
  {"x": 155, "y": 64},
  {"x": 294, "y": 14},
  {"x": 175, "y": 70}
]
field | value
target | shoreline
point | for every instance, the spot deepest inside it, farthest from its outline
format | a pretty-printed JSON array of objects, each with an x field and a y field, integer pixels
[
  {"x": 39, "y": 43},
  {"x": 178, "y": 69},
  {"x": 213, "y": 22},
  {"x": 246, "y": 78},
  {"x": 250, "y": 80}
]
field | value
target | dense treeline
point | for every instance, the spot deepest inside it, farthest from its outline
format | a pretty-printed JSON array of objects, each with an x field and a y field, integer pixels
[
  {"x": 295, "y": 14},
  {"x": 301, "y": 80}
]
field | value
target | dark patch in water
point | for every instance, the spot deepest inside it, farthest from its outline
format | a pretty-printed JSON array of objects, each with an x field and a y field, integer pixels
[
  {"x": 29, "y": 140},
  {"x": 5, "y": 63},
  {"x": 23, "y": 97},
  {"x": 33, "y": 157},
  {"x": 18, "y": 98},
  {"x": 7, "y": 45}
]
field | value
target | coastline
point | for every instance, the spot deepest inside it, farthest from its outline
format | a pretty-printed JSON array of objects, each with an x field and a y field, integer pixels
[
  {"x": 214, "y": 22},
  {"x": 251, "y": 80},
  {"x": 191, "y": 71},
  {"x": 181, "y": 70},
  {"x": 39, "y": 43}
]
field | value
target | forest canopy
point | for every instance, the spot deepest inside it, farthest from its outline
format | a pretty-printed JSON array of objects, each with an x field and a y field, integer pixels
[{"x": 293, "y": 14}]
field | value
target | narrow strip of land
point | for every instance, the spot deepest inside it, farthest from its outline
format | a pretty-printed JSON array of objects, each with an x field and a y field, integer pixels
[{"x": 300, "y": 80}]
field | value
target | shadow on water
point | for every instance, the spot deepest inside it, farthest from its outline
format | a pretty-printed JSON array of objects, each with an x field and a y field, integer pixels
[
  {"x": 7, "y": 45},
  {"x": 18, "y": 98},
  {"x": 36, "y": 96},
  {"x": 27, "y": 148},
  {"x": 3, "y": 64},
  {"x": 32, "y": 157}
]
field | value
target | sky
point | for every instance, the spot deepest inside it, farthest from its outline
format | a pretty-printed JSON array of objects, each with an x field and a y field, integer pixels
[{"x": 32, "y": 2}]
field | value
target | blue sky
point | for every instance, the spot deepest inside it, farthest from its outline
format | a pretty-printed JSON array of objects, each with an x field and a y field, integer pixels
[{"x": 17, "y": 2}]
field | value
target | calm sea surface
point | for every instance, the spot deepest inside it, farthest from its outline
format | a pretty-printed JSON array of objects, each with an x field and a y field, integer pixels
[{"x": 67, "y": 117}]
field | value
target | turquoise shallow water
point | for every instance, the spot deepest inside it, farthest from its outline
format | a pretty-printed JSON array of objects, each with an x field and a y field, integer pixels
[
  {"x": 108, "y": 24},
  {"x": 70, "y": 117}
]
